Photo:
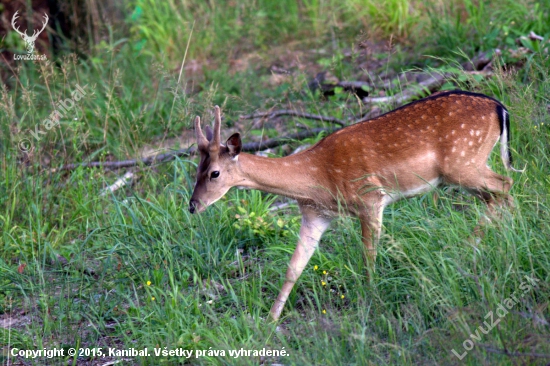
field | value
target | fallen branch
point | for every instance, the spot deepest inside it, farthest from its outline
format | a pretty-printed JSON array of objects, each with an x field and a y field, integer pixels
[
  {"x": 161, "y": 158},
  {"x": 373, "y": 113},
  {"x": 288, "y": 112},
  {"x": 267, "y": 144},
  {"x": 429, "y": 85},
  {"x": 120, "y": 182},
  {"x": 166, "y": 157},
  {"x": 353, "y": 85},
  {"x": 491, "y": 349},
  {"x": 326, "y": 83}
]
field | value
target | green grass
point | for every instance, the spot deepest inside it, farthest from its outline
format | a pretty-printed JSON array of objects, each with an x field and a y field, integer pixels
[{"x": 134, "y": 269}]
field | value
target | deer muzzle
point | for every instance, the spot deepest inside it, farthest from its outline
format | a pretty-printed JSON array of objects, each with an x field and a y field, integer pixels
[{"x": 193, "y": 206}]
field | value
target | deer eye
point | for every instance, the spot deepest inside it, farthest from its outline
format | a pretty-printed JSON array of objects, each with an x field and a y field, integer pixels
[{"x": 214, "y": 174}]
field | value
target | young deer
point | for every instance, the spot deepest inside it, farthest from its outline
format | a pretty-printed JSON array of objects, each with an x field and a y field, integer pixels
[{"x": 442, "y": 139}]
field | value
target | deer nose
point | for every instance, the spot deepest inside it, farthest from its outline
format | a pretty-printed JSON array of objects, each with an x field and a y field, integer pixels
[{"x": 192, "y": 206}]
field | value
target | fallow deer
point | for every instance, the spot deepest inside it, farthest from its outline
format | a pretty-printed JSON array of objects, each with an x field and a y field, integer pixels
[{"x": 442, "y": 139}]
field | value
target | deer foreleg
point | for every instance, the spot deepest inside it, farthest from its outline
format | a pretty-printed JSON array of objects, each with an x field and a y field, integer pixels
[
  {"x": 371, "y": 226},
  {"x": 313, "y": 227}
]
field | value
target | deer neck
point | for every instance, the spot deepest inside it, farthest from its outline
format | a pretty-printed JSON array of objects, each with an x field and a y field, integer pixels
[{"x": 288, "y": 176}]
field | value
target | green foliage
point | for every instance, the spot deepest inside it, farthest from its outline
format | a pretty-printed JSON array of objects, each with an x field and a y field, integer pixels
[
  {"x": 483, "y": 25},
  {"x": 163, "y": 28},
  {"x": 396, "y": 17},
  {"x": 262, "y": 224}
]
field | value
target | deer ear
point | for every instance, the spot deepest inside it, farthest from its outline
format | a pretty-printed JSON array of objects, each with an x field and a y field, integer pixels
[{"x": 234, "y": 144}]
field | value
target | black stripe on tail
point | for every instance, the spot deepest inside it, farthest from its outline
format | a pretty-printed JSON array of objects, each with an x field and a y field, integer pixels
[{"x": 504, "y": 121}]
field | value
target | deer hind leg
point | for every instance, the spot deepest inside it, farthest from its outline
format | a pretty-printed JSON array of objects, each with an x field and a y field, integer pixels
[
  {"x": 371, "y": 225},
  {"x": 313, "y": 227},
  {"x": 493, "y": 189}
]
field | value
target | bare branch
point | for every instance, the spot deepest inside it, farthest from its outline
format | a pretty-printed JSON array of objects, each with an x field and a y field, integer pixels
[
  {"x": 429, "y": 85},
  {"x": 373, "y": 113},
  {"x": 120, "y": 182},
  {"x": 288, "y": 112},
  {"x": 166, "y": 157},
  {"x": 353, "y": 84},
  {"x": 535, "y": 37},
  {"x": 492, "y": 349},
  {"x": 267, "y": 144},
  {"x": 161, "y": 158}
]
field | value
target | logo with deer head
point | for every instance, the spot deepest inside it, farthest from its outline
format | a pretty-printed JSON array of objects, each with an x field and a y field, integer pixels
[{"x": 29, "y": 40}]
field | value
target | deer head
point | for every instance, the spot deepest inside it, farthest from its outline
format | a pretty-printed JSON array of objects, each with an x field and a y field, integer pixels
[
  {"x": 29, "y": 40},
  {"x": 215, "y": 172}
]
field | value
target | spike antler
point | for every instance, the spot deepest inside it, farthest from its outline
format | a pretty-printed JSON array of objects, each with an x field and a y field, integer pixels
[
  {"x": 202, "y": 142},
  {"x": 210, "y": 142},
  {"x": 215, "y": 142}
]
